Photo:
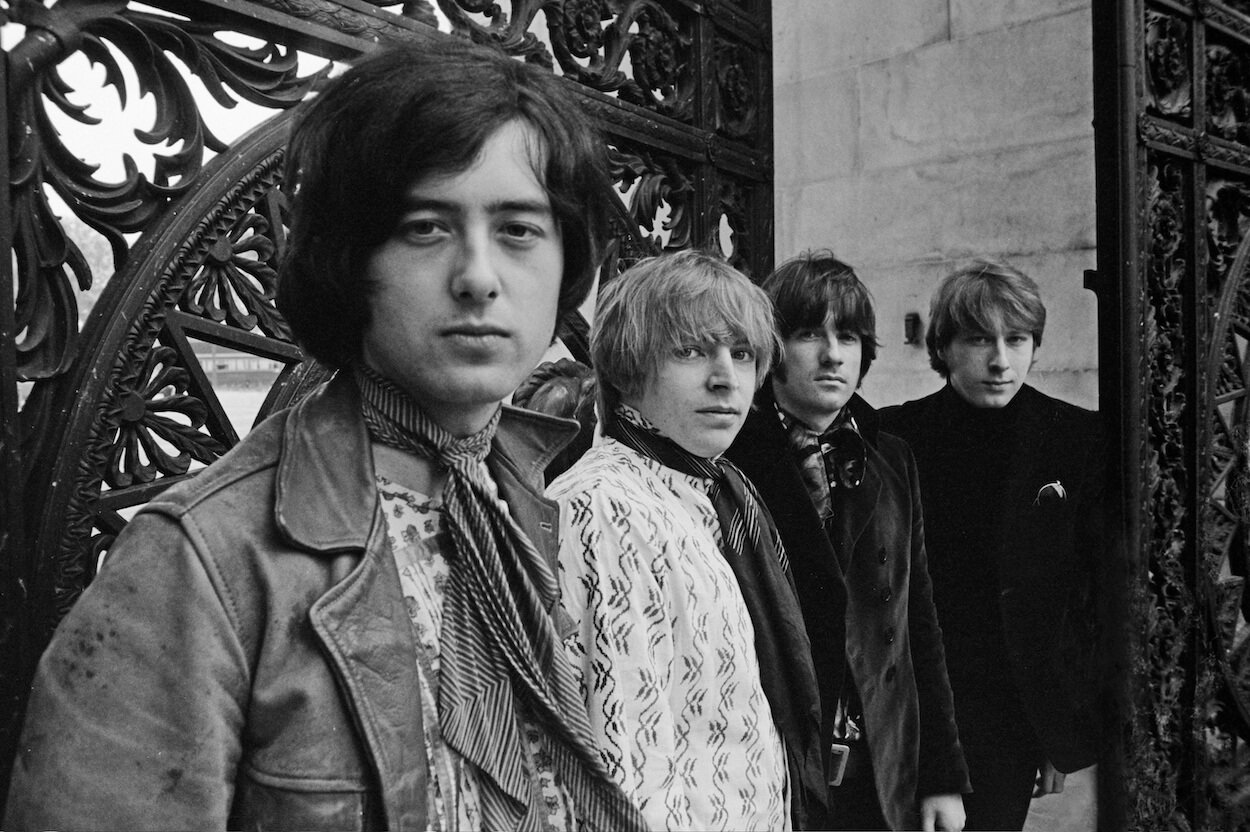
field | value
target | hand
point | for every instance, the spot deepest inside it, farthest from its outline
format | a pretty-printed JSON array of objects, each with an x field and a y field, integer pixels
[
  {"x": 1049, "y": 780},
  {"x": 942, "y": 812}
]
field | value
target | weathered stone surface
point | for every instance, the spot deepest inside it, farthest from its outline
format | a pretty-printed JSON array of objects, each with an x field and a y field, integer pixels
[
  {"x": 1038, "y": 198},
  {"x": 882, "y": 388},
  {"x": 812, "y": 39},
  {"x": 1008, "y": 88},
  {"x": 971, "y": 141},
  {"x": 970, "y": 17},
  {"x": 816, "y": 128}
]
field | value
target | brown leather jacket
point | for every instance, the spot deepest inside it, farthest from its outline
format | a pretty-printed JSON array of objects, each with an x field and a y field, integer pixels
[{"x": 244, "y": 657}]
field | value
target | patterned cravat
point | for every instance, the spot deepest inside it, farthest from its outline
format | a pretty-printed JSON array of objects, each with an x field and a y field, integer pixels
[
  {"x": 499, "y": 644},
  {"x": 833, "y": 459},
  {"x": 753, "y": 550}
]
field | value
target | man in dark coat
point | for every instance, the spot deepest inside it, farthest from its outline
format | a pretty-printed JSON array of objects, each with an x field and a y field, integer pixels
[
  {"x": 1010, "y": 479},
  {"x": 846, "y": 501}
]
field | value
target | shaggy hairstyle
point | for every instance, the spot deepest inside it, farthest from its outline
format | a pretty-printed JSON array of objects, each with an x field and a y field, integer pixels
[
  {"x": 662, "y": 303},
  {"x": 982, "y": 297},
  {"x": 396, "y": 117},
  {"x": 807, "y": 289}
]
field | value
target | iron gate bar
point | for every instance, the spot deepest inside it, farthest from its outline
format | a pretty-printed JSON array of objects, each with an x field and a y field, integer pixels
[{"x": 1173, "y": 193}]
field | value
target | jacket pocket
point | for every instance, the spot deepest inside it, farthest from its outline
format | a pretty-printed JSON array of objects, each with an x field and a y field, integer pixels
[{"x": 265, "y": 801}]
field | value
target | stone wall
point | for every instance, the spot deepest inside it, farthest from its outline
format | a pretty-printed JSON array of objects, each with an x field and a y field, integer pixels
[{"x": 912, "y": 135}]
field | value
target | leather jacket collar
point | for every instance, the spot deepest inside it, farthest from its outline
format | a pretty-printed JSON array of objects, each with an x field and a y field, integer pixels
[{"x": 325, "y": 492}]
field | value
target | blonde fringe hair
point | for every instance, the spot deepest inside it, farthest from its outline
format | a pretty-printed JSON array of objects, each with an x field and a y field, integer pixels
[{"x": 664, "y": 302}]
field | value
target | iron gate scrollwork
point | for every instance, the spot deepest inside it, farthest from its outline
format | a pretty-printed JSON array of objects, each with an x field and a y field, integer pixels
[
  {"x": 1172, "y": 97},
  {"x": 98, "y": 419}
]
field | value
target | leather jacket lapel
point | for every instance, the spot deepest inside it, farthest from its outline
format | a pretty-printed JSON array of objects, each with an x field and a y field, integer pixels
[
  {"x": 325, "y": 492},
  {"x": 363, "y": 624}
]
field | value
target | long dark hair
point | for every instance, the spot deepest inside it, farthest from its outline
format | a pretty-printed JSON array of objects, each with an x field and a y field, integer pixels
[{"x": 400, "y": 115}]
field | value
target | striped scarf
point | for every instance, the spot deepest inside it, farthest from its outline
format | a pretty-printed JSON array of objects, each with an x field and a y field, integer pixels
[
  {"x": 500, "y": 650},
  {"x": 753, "y": 550}
]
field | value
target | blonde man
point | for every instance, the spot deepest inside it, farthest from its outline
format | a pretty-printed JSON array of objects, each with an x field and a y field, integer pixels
[{"x": 695, "y": 663}]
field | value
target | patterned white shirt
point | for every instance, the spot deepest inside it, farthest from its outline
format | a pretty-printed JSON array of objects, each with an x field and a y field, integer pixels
[{"x": 665, "y": 646}]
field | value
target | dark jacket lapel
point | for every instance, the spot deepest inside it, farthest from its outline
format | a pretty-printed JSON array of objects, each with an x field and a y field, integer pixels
[{"x": 759, "y": 445}]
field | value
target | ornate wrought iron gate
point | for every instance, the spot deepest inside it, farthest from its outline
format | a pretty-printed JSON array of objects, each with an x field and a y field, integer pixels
[
  {"x": 97, "y": 419},
  {"x": 1172, "y": 104}
]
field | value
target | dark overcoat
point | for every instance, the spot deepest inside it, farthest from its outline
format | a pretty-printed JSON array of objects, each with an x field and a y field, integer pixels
[
  {"x": 868, "y": 605},
  {"x": 1046, "y": 557}
]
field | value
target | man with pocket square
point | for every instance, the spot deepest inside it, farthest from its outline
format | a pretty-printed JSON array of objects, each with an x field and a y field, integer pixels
[{"x": 1011, "y": 480}]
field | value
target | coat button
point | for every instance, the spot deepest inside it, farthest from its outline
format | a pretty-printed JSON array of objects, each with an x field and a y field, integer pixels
[
  {"x": 885, "y": 594},
  {"x": 881, "y": 554},
  {"x": 889, "y": 635},
  {"x": 889, "y": 674}
]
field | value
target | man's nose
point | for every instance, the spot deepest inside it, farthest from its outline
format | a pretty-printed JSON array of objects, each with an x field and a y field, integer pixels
[
  {"x": 475, "y": 279},
  {"x": 721, "y": 369},
  {"x": 998, "y": 354}
]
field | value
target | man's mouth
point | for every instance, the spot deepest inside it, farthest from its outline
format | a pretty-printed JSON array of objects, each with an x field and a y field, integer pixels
[{"x": 475, "y": 331}]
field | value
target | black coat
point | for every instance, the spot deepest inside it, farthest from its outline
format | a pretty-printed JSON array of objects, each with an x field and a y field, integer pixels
[
  {"x": 878, "y": 611},
  {"x": 1020, "y": 637}
]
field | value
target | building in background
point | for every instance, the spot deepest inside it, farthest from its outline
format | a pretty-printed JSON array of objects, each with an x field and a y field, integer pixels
[{"x": 912, "y": 135}]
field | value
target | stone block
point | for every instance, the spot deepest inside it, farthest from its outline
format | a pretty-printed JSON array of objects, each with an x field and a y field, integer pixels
[
  {"x": 1070, "y": 343},
  {"x": 1078, "y": 387},
  {"x": 970, "y": 17},
  {"x": 1037, "y": 198},
  {"x": 812, "y": 39},
  {"x": 816, "y": 128},
  {"x": 883, "y": 389},
  {"x": 1024, "y": 85}
]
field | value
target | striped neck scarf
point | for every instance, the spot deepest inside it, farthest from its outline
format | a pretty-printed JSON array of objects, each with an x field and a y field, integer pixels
[
  {"x": 500, "y": 650},
  {"x": 753, "y": 550}
]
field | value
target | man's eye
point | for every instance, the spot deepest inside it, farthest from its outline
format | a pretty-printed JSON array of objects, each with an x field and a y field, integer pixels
[
  {"x": 687, "y": 351},
  {"x": 521, "y": 231},
  {"x": 848, "y": 337},
  {"x": 419, "y": 229},
  {"x": 807, "y": 335},
  {"x": 744, "y": 354}
]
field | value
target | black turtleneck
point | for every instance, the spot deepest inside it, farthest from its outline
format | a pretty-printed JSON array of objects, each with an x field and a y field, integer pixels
[{"x": 964, "y": 462}]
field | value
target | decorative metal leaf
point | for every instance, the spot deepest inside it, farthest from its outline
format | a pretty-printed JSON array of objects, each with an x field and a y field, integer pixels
[
  {"x": 737, "y": 106},
  {"x": 511, "y": 34},
  {"x": 662, "y": 62},
  {"x": 1168, "y": 81},
  {"x": 161, "y": 388},
  {"x": 150, "y": 43},
  {"x": 236, "y": 288}
]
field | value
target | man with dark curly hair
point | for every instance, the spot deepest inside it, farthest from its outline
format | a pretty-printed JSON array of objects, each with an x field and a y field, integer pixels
[{"x": 352, "y": 620}]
